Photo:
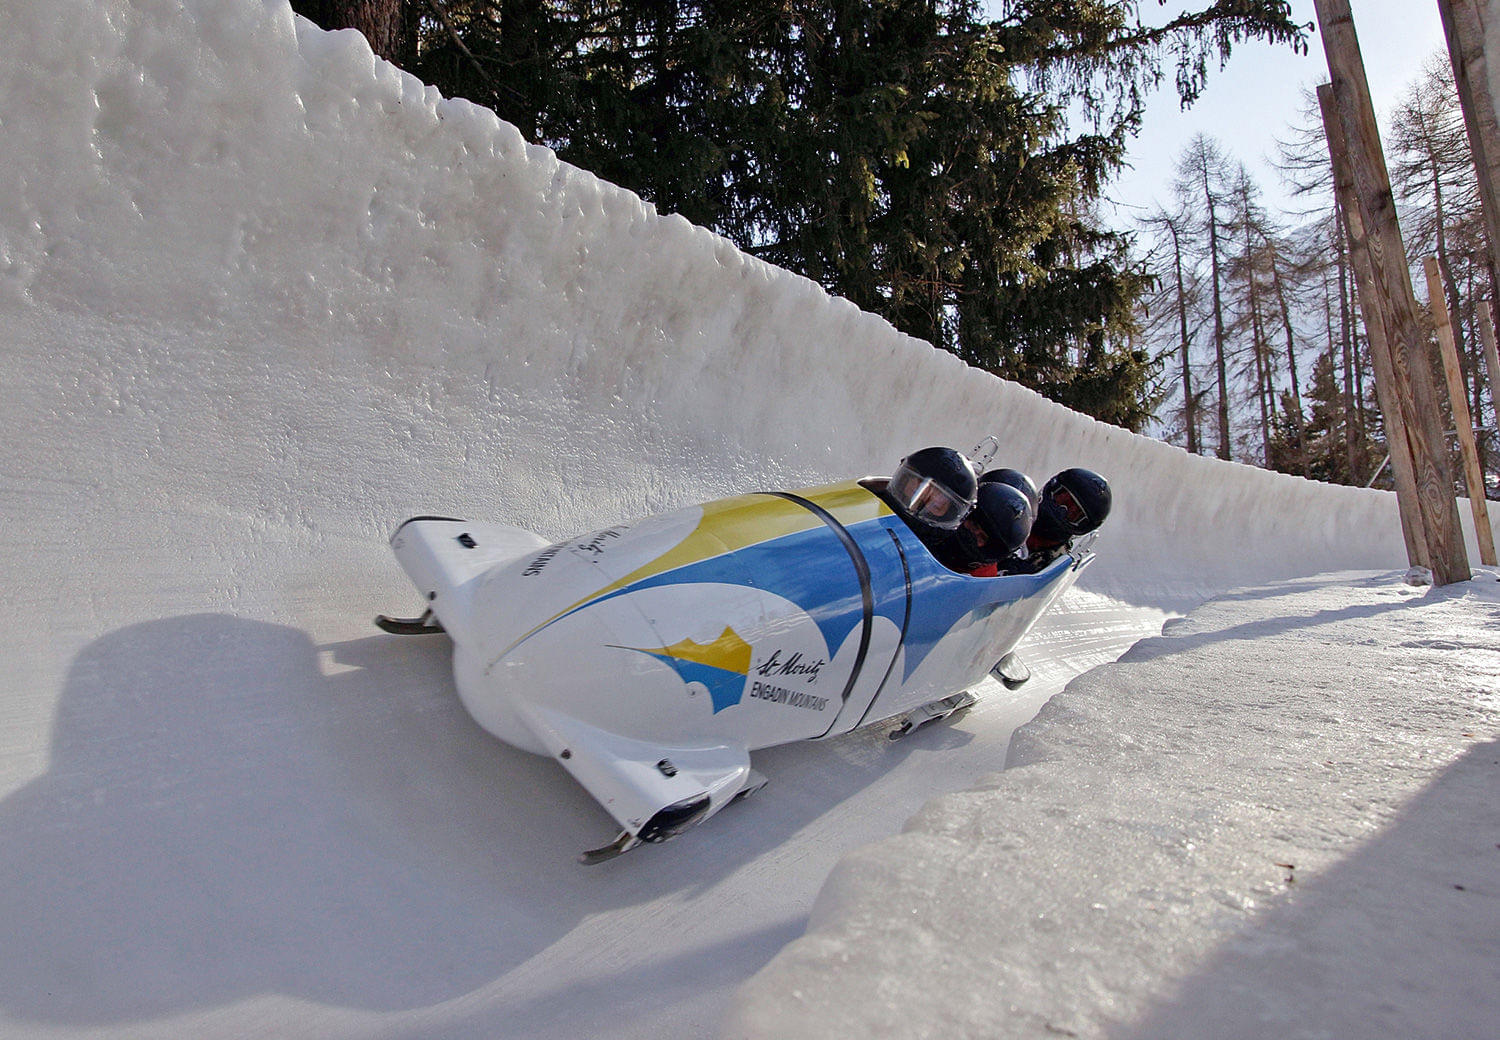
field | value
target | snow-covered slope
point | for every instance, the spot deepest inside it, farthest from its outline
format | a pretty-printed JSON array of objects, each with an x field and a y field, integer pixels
[{"x": 263, "y": 296}]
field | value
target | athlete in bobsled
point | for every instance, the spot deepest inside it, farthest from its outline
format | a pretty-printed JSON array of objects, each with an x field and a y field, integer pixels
[{"x": 650, "y": 658}]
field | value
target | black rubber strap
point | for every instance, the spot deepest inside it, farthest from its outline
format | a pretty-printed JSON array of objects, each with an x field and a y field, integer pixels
[
  {"x": 867, "y": 597},
  {"x": 905, "y": 623}
]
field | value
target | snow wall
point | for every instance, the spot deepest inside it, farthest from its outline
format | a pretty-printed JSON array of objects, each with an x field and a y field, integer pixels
[{"x": 223, "y": 172}]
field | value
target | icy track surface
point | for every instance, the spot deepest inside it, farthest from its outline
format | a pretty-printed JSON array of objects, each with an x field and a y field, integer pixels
[
  {"x": 1276, "y": 819},
  {"x": 262, "y": 297}
]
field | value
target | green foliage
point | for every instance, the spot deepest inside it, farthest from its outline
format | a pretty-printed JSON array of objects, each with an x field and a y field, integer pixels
[
  {"x": 1323, "y": 439},
  {"x": 906, "y": 154}
]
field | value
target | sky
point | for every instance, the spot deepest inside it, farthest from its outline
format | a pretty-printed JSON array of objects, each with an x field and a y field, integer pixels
[
  {"x": 1256, "y": 96},
  {"x": 265, "y": 297}
]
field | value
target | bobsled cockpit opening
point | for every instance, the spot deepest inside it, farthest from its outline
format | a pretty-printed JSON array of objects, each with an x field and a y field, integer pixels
[{"x": 931, "y": 539}]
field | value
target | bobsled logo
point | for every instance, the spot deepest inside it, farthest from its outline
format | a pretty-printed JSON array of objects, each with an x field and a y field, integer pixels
[
  {"x": 541, "y": 561},
  {"x": 597, "y": 543},
  {"x": 721, "y": 666},
  {"x": 793, "y": 666}
]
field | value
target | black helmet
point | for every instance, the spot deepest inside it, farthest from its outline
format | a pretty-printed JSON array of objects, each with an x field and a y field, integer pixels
[
  {"x": 1005, "y": 515},
  {"x": 1016, "y": 479},
  {"x": 1074, "y": 502},
  {"x": 934, "y": 486}
]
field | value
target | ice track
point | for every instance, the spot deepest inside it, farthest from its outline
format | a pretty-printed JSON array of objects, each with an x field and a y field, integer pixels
[
  {"x": 693, "y": 918},
  {"x": 263, "y": 297}
]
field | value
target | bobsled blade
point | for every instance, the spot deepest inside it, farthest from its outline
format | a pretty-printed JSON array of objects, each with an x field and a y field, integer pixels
[
  {"x": 654, "y": 791},
  {"x": 932, "y": 712},
  {"x": 427, "y": 624},
  {"x": 621, "y": 845}
]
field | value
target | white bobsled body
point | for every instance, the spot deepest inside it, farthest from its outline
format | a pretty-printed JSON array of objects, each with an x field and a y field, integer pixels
[{"x": 650, "y": 658}]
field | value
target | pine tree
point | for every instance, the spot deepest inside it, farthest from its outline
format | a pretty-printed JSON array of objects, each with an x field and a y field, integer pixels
[
  {"x": 1322, "y": 436},
  {"x": 914, "y": 156},
  {"x": 390, "y": 26}
]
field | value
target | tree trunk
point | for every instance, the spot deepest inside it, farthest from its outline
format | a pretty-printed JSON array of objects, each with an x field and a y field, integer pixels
[
  {"x": 1298, "y": 417},
  {"x": 1263, "y": 387},
  {"x": 1450, "y": 290},
  {"x": 389, "y": 25},
  {"x": 1417, "y": 396},
  {"x": 1223, "y": 374},
  {"x": 1476, "y": 367},
  {"x": 1189, "y": 406},
  {"x": 1463, "y": 26}
]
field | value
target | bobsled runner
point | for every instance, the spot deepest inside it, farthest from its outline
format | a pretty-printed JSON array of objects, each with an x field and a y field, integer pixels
[{"x": 650, "y": 658}]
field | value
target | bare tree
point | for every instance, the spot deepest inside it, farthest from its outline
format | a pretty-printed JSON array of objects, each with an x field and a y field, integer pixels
[
  {"x": 1245, "y": 274},
  {"x": 1177, "y": 292},
  {"x": 1202, "y": 175},
  {"x": 1432, "y": 173},
  {"x": 1434, "y": 178},
  {"x": 1322, "y": 253}
]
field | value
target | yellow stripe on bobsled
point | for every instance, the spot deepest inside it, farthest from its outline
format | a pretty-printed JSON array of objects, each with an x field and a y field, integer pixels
[
  {"x": 726, "y": 526},
  {"x": 731, "y": 524},
  {"x": 849, "y": 502},
  {"x": 723, "y": 526}
]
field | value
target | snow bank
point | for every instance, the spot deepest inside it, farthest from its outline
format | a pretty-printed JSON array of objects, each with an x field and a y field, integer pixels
[
  {"x": 1277, "y": 819},
  {"x": 221, "y": 173}
]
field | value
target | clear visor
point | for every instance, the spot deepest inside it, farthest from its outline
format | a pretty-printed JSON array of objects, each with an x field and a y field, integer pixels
[
  {"x": 926, "y": 499},
  {"x": 1073, "y": 510}
]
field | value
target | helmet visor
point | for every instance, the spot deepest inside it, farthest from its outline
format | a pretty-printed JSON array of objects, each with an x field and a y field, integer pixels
[
  {"x": 926, "y": 499},
  {"x": 1072, "y": 510}
]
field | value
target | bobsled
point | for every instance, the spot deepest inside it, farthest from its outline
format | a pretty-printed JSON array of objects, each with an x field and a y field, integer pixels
[{"x": 650, "y": 658}]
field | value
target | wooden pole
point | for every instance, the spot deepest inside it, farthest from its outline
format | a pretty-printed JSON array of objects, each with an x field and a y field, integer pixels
[
  {"x": 1403, "y": 469},
  {"x": 1413, "y": 374},
  {"x": 1463, "y": 24},
  {"x": 1491, "y": 358},
  {"x": 1458, "y": 400}
]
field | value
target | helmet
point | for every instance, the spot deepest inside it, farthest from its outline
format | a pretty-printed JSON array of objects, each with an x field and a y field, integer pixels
[
  {"x": 1006, "y": 517},
  {"x": 1016, "y": 479},
  {"x": 934, "y": 486},
  {"x": 1074, "y": 502}
]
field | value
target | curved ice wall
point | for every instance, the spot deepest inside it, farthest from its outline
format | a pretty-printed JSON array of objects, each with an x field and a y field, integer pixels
[{"x": 289, "y": 288}]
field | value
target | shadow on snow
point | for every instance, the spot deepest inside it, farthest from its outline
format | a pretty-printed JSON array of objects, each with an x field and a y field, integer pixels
[{"x": 232, "y": 810}]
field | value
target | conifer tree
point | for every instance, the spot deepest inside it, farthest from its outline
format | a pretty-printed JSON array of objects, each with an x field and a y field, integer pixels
[{"x": 918, "y": 157}]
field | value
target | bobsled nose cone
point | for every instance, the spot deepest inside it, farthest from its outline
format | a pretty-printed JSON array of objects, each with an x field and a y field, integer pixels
[{"x": 444, "y": 557}]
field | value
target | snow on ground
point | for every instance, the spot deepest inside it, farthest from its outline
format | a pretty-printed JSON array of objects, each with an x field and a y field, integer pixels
[
  {"x": 1279, "y": 818},
  {"x": 262, "y": 297}
]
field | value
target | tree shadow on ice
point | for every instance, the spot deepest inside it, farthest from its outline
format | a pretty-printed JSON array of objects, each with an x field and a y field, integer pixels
[
  {"x": 231, "y": 810},
  {"x": 1399, "y": 939},
  {"x": 1180, "y": 635}
]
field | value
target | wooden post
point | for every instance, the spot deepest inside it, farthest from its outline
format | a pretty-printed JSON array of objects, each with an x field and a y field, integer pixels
[
  {"x": 1413, "y": 374},
  {"x": 1491, "y": 358},
  {"x": 1458, "y": 400},
  {"x": 1403, "y": 469},
  {"x": 1463, "y": 24}
]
